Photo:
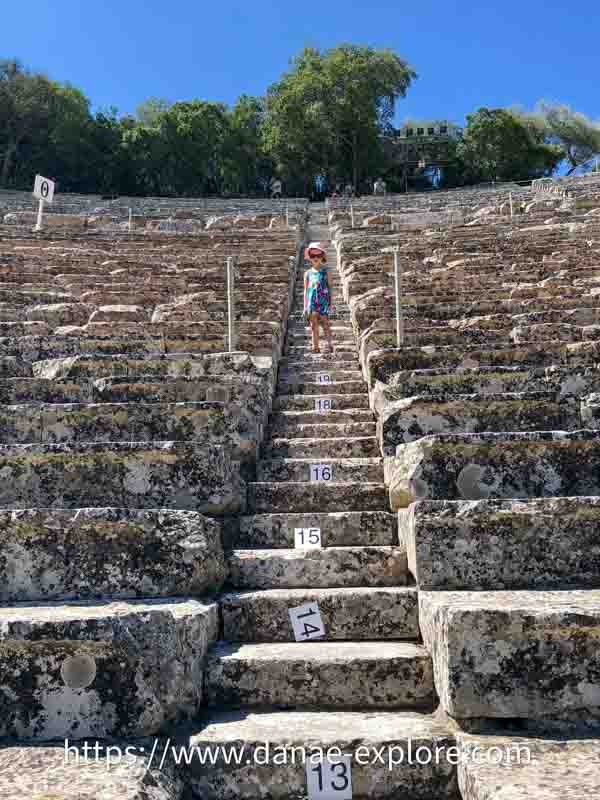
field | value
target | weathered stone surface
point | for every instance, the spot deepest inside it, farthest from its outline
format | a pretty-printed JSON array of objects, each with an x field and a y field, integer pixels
[
  {"x": 326, "y": 567},
  {"x": 209, "y": 423},
  {"x": 43, "y": 772},
  {"x": 358, "y": 613},
  {"x": 405, "y": 420},
  {"x": 108, "y": 552},
  {"x": 344, "y": 470},
  {"x": 549, "y": 543},
  {"x": 314, "y": 729},
  {"x": 143, "y": 475},
  {"x": 523, "y": 768},
  {"x": 530, "y": 654},
  {"x": 119, "y": 668},
  {"x": 341, "y": 529},
  {"x": 266, "y": 497},
  {"x": 320, "y": 675},
  {"x": 494, "y": 465}
]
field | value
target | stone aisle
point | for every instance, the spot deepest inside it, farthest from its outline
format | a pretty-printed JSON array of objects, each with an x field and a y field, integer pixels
[{"x": 368, "y": 680}]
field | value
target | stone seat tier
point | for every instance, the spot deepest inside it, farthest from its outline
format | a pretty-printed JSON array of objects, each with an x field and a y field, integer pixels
[
  {"x": 135, "y": 474},
  {"x": 44, "y": 771},
  {"x": 320, "y": 675},
  {"x": 285, "y": 496},
  {"x": 183, "y": 365},
  {"x": 114, "y": 422},
  {"x": 328, "y": 567},
  {"x": 495, "y": 466},
  {"x": 59, "y": 554},
  {"x": 346, "y": 730},
  {"x": 485, "y": 381},
  {"x": 541, "y": 652},
  {"x": 406, "y": 420},
  {"x": 382, "y": 363},
  {"x": 546, "y": 543},
  {"x": 342, "y": 529},
  {"x": 124, "y": 668},
  {"x": 547, "y": 767}
]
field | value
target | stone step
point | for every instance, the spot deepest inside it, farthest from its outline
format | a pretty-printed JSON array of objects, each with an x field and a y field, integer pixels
[
  {"x": 320, "y": 361},
  {"x": 302, "y": 402},
  {"x": 269, "y": 497},
  {"x": 342, "y": 447},
  {"x": 300, "y": 350},
  {"x": 126, "y": 474},
  {"x": 534, "y": 766},
  {"x": 113, "y": 422},
  {"x": 541, "y": 656},
  {"x": 347, "y": 613},
  {"x": 329, "y": 567},
  {"x": 57, "y": 554},
  {"x": 342, "y": 470},
  {"x": 342, "y": 529},
  {"x": 494, "y": 466},
  {"x": 409, "y": 419},
  {"x": 315, "y": 389},
  {"x": 329, "y": 430},
  {"x": 341, "y": 675},
  {"x": 286, "y": 420},
  {"x": 47, "y": 771},
  {"x": 83, "y": 670},
  {"x": 309, "y": 375},
  {"x": 300, "y": 331},
  {"x": 290, "y": 731},
  {"x": 550, "y": 543}
]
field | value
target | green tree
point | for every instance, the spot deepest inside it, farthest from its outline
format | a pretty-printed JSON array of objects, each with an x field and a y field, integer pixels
[
  {"x": 578, "y": 135},
  {"x": 498, "y": 144},
  {"x": 327, "y": 113}
]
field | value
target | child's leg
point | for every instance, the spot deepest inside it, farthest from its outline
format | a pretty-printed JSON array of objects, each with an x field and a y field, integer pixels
[
  {"x": 314, "y": 328},
  {"x": 327, "y": 327}
]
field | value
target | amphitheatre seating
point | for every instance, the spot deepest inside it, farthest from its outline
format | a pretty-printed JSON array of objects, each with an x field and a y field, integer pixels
[
  {"x": 157, "y": 488},
  {"x": 127, "y": 434}
]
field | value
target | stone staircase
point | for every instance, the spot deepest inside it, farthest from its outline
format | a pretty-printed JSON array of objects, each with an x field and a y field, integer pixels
[{"x": 368, "y": 677}]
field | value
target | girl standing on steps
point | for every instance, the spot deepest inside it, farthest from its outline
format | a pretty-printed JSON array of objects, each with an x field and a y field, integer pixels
[{"x": 317, "y": 297}]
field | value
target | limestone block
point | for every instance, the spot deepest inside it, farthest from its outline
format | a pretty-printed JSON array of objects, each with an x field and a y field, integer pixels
[
  {"x": 327, "y": 567},
  {"x": 320, "y": 675},
  {"x": 347, "y": 613},
  {"x": 56, "y": 314},
  {"x": 526, "y": 654},
  {"x": 43, "y": 771},
  {"x": 115, "y": 669},
  {"x": 494, "y": 465},
  {"x": 310, "y": 730},
  {"x": 108, "y": 552},
  {"x": 550, "y": 543},
  {"x": 525, "y": 768},
  {"x": 136, "y": 474},
  {"x": 119, "y": 313}
]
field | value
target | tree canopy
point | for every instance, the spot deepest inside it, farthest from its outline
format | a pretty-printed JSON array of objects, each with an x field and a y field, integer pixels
[{"x": 330, "y": 114}]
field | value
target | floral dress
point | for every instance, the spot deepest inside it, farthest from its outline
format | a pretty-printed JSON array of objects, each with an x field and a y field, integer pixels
[{"x": 317, "y": 291}]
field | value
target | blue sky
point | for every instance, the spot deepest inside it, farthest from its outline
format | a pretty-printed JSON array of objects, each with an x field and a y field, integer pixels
[{"x": 466, "y": 55}]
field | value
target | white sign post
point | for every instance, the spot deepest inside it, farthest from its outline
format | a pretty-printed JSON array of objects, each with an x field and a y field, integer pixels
[{"x": 43, "y": 189}]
